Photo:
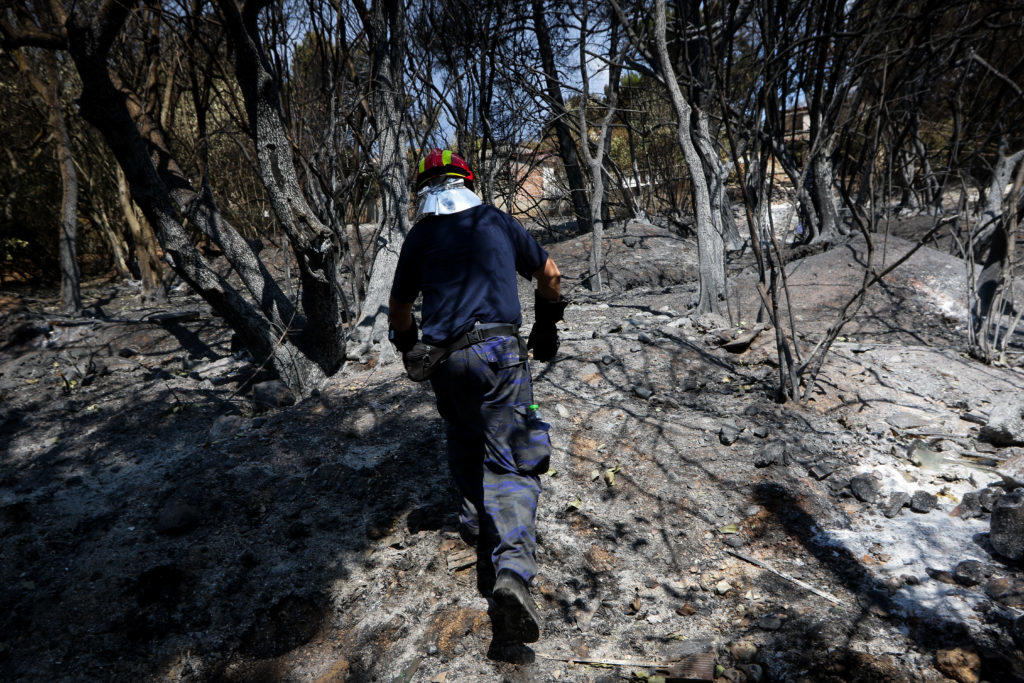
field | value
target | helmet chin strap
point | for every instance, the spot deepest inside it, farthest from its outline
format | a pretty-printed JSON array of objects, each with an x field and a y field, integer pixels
[{"x": 451, "y": 196}]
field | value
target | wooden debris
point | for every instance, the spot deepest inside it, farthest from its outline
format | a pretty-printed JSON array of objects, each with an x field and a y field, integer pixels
[
  {"x": 697, "y": 668},
  {"x": 457, "y": 555},
  {"x": 806, "y": 586},
  {"x": 172, "y": 317},
  {"x": 742, "y": 342}
]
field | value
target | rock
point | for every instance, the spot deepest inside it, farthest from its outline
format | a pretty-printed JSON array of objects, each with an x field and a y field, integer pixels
[
  {"x": 970, "y": 573},
  {"x": 923, "y": 502},
  {"x": 743, "y": 650},
  {"x": 988, "y": 497},
  {"x": 865, "y": 487},
  {"x": 272, "y": 394},
  {"x": 1017, "y": 631},
  {"x": 940, "y": 575},
  {"x": 645, "y": 338},
  {"x": 772, "y": 454},
  {"x": 754, "y": 673},
  {"x": 970, "y": 506},
  {"x": 128, "y": 352},
  {"x": 897, "y": 501},
  {"x": 226, "y": 426},
  {"x": 1009, "y": 592},
  {"x": 770, "y": 622},
  {"x": 728, "y": 435},
  {"x": 687, "y": 610},
  {"x": 642, "y": 391},
  {"x": 176, "y": 517},
  {"x": 1005, "y": 426},
  {"x": 822, "y": 469},
  {"x": 734, "y": 541},
  {"x": 907, "y": 420},
  {"x": 1006, "y": 531},
  {"x": 710, "y": 321},
  {"x": 607, "y": 360},
  {"x": 723, "y": 587},
  {"x": 959, "y": 664},
  {"x": 760, "y": 431}
]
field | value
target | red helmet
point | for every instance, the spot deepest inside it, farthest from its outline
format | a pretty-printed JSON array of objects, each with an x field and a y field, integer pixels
[{"x": 443, "y": 163}]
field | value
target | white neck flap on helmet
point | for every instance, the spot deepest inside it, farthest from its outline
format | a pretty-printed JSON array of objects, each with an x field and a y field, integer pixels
[{"x": 450, "y": 196}]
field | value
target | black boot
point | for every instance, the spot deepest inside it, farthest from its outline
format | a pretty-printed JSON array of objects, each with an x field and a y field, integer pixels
[{"x": 515, "y": 616}]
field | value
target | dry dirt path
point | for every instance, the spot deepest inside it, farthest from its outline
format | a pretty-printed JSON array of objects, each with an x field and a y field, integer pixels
[{"x": 154, "y": 526}]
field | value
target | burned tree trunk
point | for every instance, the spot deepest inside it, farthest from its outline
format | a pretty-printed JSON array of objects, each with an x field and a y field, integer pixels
[
  {"x": 48, "y": 87},
  {"x": 267, "y": 323},
  {"x": 70, "y": 277},
  {"x": 385, "y": 27},
  {"x": 993, "y": 318},
  {"x": 143, "y": 244},
  {"x": 566, "y": 145},
  {"x": 710, "y": 244}
]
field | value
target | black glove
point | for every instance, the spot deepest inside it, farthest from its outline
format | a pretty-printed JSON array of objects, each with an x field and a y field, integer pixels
[
  {"x": 404, "y": 340},
  {"x": 544, "y": 335}
]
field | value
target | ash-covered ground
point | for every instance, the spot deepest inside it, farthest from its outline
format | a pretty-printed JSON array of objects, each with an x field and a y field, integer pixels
[{"x": 157, "y": 525}]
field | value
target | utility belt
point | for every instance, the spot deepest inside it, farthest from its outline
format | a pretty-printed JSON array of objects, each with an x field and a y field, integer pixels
[
  {"x": 482, "y": 331},
  {"x": 424, "y": 359}
]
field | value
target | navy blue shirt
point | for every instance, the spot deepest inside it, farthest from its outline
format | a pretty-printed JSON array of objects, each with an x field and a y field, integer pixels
[{"x": 465, "y": 265}]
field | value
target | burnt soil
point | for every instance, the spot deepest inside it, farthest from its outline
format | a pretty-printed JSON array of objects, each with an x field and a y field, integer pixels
[{"x": 156, "y": 526}]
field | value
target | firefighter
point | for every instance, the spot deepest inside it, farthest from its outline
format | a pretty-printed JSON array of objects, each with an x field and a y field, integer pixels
[{"x": 463, "y": 255}]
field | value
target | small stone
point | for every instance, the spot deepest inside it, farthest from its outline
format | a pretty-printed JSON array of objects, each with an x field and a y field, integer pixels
[
  {"x": 988, "y": 497},
  {"x": 754, "y": 673},
  {"x": 910, "y": 580},
  {"x": 1017, "y": 631},
  {"x": 645, "y": 338},
  {"x": 272, "y": 394},
  {"x": 226, "y": 426},
  {"x": 607, "y": 360},
  {"x": 970, "y": 572},
  {"x": 743, "y": 650},
  {"x": 176, "y": 517},
  {"x": 642, "y": 391},
  {"x": 723, "y": 587},
  {"x": 1009, "y": 592},
  {"x": 959, "y": 664},
  {"x": 760, "y": 431},
  {"x": 970, "y": 505},
  {"x": 940, "y": 575},
  {"x": 820, "y": 470},
  {"x": 562, "y": 411},
  {"x": 1005, "y": 426},
  {"x": 770, "y": 622},
  {"x": 923, "y": 502},
  {"x": 897, "y": 501},
  {"x": 734, "y": 541},
  {"x": 1006, "y": 531},
  {"x": 865, "y": 487},
  {"x": 772, "y": 454},
  {"x": 687, "y": 610},
  {"x": 728, "y": 435},
  {"x": 432, "y": 649}
]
